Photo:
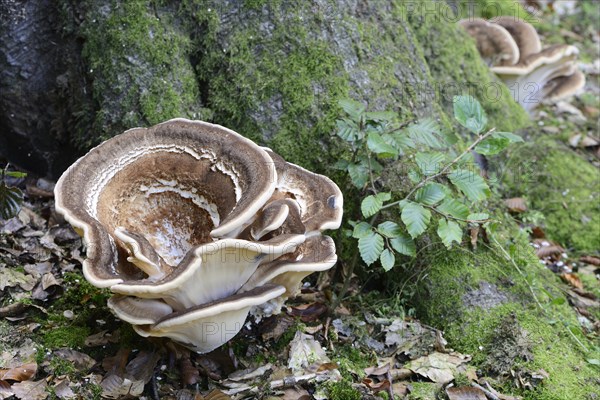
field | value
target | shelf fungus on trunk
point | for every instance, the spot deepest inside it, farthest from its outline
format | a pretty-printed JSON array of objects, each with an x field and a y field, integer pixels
[
  {"x": 537, "y": 75},
  {"x": 191, "y": 226}
]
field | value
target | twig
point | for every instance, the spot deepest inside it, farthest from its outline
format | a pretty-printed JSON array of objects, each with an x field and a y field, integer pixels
[
  {"x": 443, "y": 170},
  {"x": 489, "y": 394}
]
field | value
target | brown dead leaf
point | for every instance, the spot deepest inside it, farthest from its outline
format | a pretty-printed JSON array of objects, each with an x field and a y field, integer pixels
[
  {"x": 275, "y": 326},
  {"x": 30, "y": 390},
  {"x": 465, "y": 393},
  {"x": 189, "y": 373},
  {"x": 21, "y": 373},
  {"x": 590, "y": 260},
  {"x": 538, "y": 233},
  {"x": 5, "y": 390},
  {"x": 438, "y": 367},
  {"x": 572, "y": 279},
  {"x": 516, "y": 205},
  {"x": 378, "y": 371},
  {"x": 141, "y": 368},
  {"x": 81, "y": 361},
  {"x": 376, "y": 387},
  {"x": 115, "y": 386},
  {"x": 102, "y": 338},
  {"x": 474, "y": 233},
  {"x": 400, "y": 389},
  {"x": 309, "y": 312},
  {"x": 63, "y": 391},
  {"x": 296, "y": 394},
  {"x": 583, "y": 300},
  {"x": 216, "y": 394},
  {"x": 549, "y": 251}
]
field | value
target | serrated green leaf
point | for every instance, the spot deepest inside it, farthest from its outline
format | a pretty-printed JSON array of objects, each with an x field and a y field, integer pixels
[
  {"x": 478, "y": 217},
  {"x": 430, "y": 163},
  {"x": 370, "y": 247},
  {"x": 341, "y": 165},
  {"x": 387, "y": 259},
  {"x": 384, "y": 196},
  {"x": 347, "y": 130},
  {"x": 15, "y": 174},
  {"x": 469, "y": 113},
  {"x": 10, "y": 201},
  {"x": 404, "y": 245},
  {"x": 508, "y": 135},
  {"x": 430, "y": 194},
  {"x": 370, "y": 206},
  {"x": 416, "y": 218},
  {"x": 361, "y": 230},
  {"x": 378, "y": 146},
  {"x": 414, "y": 176},
  {"x": 454, "y": 208},
  {"x": 403, "y": 140},
  {"x": 380, "y": 115},
  {"x": 492, "y": 145},
  {"x": 470, "y": 183},
  {"x": 426, "y": 132},
  {"x": 449, "y": 232},
  {"x": 353, "y": 108},
  {"x": 389, "y": 229},
  {"x": 359, "y": 175}
]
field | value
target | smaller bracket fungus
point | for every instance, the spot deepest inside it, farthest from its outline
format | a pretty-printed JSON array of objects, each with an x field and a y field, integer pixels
[
  {"x": 495, "y": 44},
  {"x": 191, "y": 225},
  {"x": 535, "y": 72}
]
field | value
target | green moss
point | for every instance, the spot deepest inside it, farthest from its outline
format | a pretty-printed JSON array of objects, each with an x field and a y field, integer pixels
[
  {"x": 502, "y": 328},
  {"x": 139, "y": 65},
  {"x": 563, "y": 186},
  {"x": 66, "y": 336},
  {"x": 342, "y": 390},
  {"x": 423, "y": 391}
]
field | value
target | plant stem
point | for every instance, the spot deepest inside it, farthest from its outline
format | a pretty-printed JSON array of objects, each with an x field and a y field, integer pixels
[{"x": 443, "y": 170}]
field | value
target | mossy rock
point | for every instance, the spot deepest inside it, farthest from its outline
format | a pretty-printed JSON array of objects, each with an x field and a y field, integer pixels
[
  {"x": 485, "y": 305},
  {"x": 562, "y": 185}
]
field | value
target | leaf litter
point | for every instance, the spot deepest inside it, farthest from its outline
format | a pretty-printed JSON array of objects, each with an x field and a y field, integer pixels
[{"x": 292, "y": 355}]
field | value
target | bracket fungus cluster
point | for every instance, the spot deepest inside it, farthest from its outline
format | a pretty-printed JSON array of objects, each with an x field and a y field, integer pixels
[
  {"x": 513, "y": 50},
  {"x": 191, "y": 225}
]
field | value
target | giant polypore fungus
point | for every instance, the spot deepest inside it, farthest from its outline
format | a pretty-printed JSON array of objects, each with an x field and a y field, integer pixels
[
  {"x": 192, "y": 225},
  {"x": 535, "y": 75}
]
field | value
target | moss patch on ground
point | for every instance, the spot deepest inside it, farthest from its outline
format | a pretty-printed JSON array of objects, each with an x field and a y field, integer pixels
[
  {"x": 486, "y": 308},
  {"x": 560, "y": 184}
]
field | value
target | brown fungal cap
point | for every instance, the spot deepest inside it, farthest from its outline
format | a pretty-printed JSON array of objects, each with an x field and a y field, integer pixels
[
  {"x": 176, "y": 184},
  {"x": 564, "y": 86},
  {"x": 495, "y": 44},
  {"x": 554, "y": 55},
  {"x": 319, "y": 198},
  {"x": 523, "y": 33}
]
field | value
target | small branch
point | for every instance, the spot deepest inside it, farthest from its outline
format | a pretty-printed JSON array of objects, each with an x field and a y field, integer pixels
[{"x": 443, "y": 170}]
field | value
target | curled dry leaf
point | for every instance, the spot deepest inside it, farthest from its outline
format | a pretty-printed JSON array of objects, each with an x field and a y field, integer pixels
[
  {"x": 465, "y": 393},
  {"x": 590, "y": 260},
  {"x": 30, "y": 390},
  {"x": 309, "y": 312},
  {"x": 438, "y": 367},
  {"x": 21, "y": 373},
  {"x": 376, "y": 386},
  {"x": 81, "y": 361},
  {"x": 516, "y": 204},
  {"x": 101, "y": 338},
  {"x": 63, "y": 391},
  {"x": 572, "y": 279},
  {"x": 378, "y": 371},
  {"x": 275, "y": 326},
  {"x": 189, "y": 373}
]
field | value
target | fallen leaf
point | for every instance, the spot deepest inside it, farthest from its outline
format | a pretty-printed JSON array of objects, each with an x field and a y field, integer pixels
[
  {"x": 465, "y": 393},
  {"x": 590, "y": 260},
  {"x": 548, "y": 251},
  {"x": 115, "y": 386},
  {"x": 275, "y": 326},
  {"x": 378, "y": 371},
  {"x": 63, "y": 391},
  {"x": 102, "y": 338},
  {"x": 30, "y": 390},
  {"x": 438, "y": 367},
  {"x": 10, "y": 277},
  {"x": 189, "y": 373},
  {"x": 572, "y": 279},
  {"x": 21, "y": 373},
  {"x": 516, "y": 204},
  {"x": 305, "y": 352},
  {"x": 376, "y": 386},
  {"x": 309, "y": 312},
  {"x": 81, "y": 361}
]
